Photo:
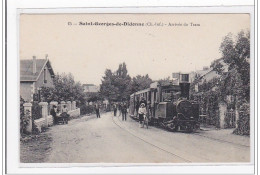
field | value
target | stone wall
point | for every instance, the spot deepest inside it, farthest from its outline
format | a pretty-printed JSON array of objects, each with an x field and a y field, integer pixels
[
  {"x": 74, "y": 113},
  {"x": 41, "y": 122},
  {"x": 47, "y": 120}
]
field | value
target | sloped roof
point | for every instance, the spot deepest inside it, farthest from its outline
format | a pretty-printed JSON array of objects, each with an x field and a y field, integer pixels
[
  {"x": 206, "y": 72},
  {"x": 88, "y": 85},
  {"x": 26, "y": 69}
]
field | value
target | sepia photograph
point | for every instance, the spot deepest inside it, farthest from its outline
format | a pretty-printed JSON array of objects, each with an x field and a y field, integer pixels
[{"x": 137, "y": 88}]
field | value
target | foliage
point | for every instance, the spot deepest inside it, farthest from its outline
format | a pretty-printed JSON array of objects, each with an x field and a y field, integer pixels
[
  {"x": 93, "y": 96},
  {"x": 22, "y": 116},
  {"x": 65, "y": 89},
  {"x": 36, "y": 111},
  {"x": 243, "y": 123},
  {"x": 86, "y": 109},
  {"x": 118, "y": 85},
  {"x": 165, "y": 81},
  {"x": 108, "y": 88},
  {"x": 209, "y": 105},
  {"x": 236, "y": 54},
  {"x": 217, "y": 66},
  {"x": 122, "y": 82},
  {"x": 140, "y": 82},
  {"x": 234, "y": 82},
  {"x": 25, "y": 121},
  {"x": 21, "y": 112}
]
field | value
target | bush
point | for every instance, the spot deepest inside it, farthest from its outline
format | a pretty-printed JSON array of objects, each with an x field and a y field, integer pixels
[
  {"x": 243, "y": 123},
  {"x": 25, "y": 118},
  {"x": 21, "y": 115},
  {"x": 84, "y": 109},
  {"x": 36, "y": 111},
  {"x": 24, "y": 122}
]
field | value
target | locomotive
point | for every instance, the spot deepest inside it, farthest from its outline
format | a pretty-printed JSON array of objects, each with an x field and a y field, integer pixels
[{"x": 168, "y": 105}]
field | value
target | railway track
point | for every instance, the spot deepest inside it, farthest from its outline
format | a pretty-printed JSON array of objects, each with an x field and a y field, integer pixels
[
  {"x": 214, "y": 139},
  {"x": 152, "y": 144},
  {"x": 222, "y": 141},
  {"x": 175, "y": 151}
]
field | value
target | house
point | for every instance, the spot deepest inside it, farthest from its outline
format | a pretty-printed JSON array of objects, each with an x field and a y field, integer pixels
[
  {"x": 90, "y": 88},
  {"x": 207, "y": 74},
  {"x": 197, "y": 73},
  {"x": 34, "y": 74}
]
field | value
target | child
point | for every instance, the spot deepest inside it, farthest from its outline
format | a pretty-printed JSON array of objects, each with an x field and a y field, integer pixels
[{"x": 141, "y": 112}]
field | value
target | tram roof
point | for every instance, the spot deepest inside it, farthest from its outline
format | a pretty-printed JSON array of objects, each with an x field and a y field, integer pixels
[{"x": 142, "y": 91}]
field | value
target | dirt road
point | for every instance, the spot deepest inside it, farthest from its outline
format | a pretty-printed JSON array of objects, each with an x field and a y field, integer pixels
[{"x": 111, "y": 140}]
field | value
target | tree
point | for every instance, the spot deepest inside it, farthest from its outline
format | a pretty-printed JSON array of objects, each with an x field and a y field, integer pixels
[
  {"x": 108, "y": 89},
  {"x": 65, "y": 89},
  {"x": 118, "y": 85},
  {"x": 140, "y": 82},
  {"x": 165, "y": 81},
  {"x": 93, "y": 96},
  {"x": 217, "y": 66},
  {"x": 122, "y": 82},
  {"x": 236, "y": 81},
  {"x": 236, "y": 54}
]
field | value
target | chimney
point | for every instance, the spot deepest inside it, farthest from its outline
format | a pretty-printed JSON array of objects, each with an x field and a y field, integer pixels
[
  {"x": 46, "y": 56},
  {"x": 34, "y": 64}
]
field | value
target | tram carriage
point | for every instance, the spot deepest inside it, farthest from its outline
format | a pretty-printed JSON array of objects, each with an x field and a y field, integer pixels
[{"x": 170, "y": 106}]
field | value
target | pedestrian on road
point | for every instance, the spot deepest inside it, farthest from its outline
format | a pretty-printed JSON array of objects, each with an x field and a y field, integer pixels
[
  {"x": 141, "y": 112},
  {"x": 97, "y": 110},
  {"x": 120, "y": 108},
  {"x": 115, "y": 109},
  {"x": 54, "y": 114},
  {"x": 124, "y": 111},
  {"x": 64, "y": 114}
]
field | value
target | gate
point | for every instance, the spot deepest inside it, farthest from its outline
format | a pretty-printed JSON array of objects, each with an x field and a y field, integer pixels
[{"x": 230, "y": 119}]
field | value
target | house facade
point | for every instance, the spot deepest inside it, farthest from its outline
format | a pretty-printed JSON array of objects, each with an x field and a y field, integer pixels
[
  {"x": 34, "y": 74},
  {"x": 90, "y": 88}
]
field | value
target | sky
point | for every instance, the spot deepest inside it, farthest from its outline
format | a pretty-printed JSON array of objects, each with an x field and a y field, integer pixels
[{"x": 87, "y": 51}]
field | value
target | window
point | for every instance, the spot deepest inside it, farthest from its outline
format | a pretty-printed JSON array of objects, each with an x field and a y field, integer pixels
[
  {"x": 185, "y": 77},
  {"x": 44, "y": 76}
]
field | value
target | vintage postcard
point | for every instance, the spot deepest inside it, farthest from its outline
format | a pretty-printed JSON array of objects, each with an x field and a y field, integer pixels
[{"x": 140, "y": 88}]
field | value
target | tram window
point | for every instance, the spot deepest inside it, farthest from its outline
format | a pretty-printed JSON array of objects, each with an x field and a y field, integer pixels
[{"x": 185, "y": 77}]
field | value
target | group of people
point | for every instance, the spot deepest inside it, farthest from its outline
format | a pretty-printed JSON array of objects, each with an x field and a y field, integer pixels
[
  {"x": 141, "y": 109},
  {"x": 122, "y": 108},
  {"x": 64, "y": 116}
]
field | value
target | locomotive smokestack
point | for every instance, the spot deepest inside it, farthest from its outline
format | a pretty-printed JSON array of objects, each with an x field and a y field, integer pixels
[
  {"x": 185, "y": 85},
  {"x": 185, "y": 90}
]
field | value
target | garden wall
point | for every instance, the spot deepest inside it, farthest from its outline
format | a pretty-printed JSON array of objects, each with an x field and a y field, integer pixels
[{"x": 74, "y": 113}]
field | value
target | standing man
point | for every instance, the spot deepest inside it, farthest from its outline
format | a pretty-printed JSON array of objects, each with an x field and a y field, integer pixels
[
  {"x": 65, "y": 115},
  {"x": 97, "y": 110},
  {"x": 115, "y": 109},
  {"x": 120, "y": 108},
  {"x": 124, "y": 111},
  {"x": 54, "y": 114}
]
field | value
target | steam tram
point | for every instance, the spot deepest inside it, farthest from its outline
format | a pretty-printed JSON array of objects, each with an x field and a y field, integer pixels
[{"x": 169, "y": 105}]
